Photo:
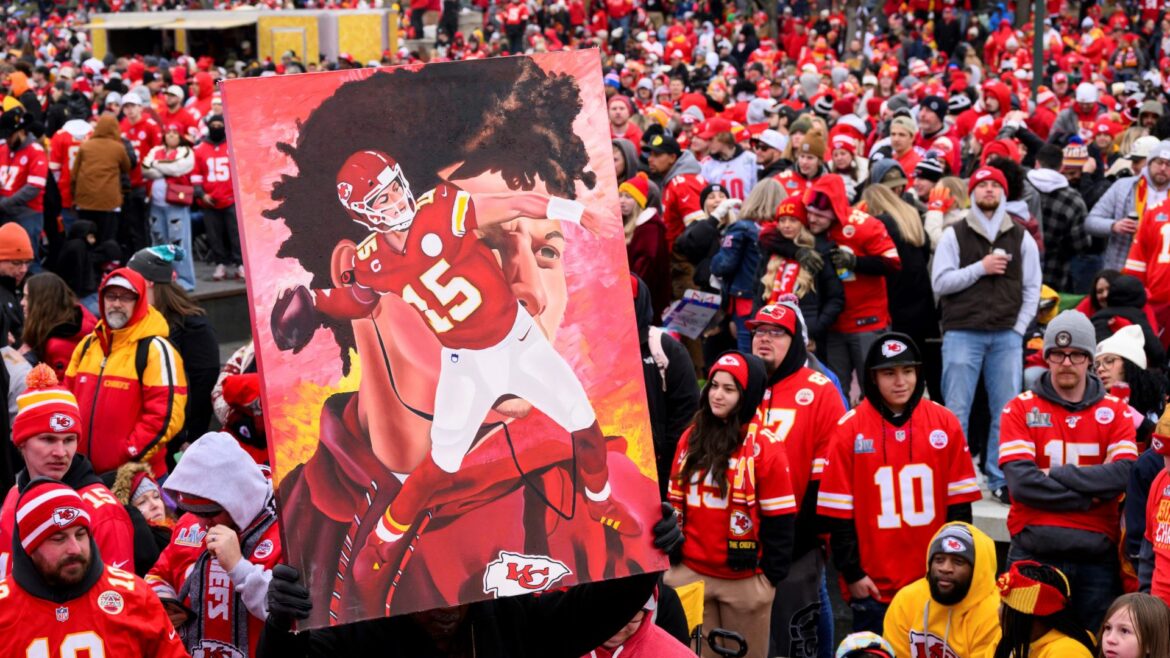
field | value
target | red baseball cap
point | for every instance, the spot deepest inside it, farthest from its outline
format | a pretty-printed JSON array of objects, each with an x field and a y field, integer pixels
[
  {"x": 712, "y": 127},
  {"x": 776, "y": 314}
]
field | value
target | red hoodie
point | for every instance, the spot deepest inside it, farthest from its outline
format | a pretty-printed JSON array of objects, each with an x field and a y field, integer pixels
[
  {"x": 200, "y": 106},
  {"x": 866, "y": 301}
]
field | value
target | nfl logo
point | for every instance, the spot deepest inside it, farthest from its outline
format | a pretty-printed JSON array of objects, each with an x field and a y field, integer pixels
[{"x": 62, "y": 614}]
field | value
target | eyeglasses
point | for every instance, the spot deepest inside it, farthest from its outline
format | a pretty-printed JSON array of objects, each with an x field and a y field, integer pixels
[
  {"x": 120, "y": 296},
  {"x": 1107, "y": 361},
  {"x": 1076, "y": 358},
  {"x": 769, "y": 332}
]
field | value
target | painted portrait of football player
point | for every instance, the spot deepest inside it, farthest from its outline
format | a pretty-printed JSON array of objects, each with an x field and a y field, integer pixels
[{"x": 439, "y": 272}]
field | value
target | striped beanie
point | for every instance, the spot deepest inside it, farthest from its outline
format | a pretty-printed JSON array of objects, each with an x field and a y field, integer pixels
[
  {"x": 44, "y": 408},
  {"x": 47, "y": 507}
]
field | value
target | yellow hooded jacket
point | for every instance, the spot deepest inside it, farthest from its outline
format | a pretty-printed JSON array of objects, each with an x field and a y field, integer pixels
[
  {"x": 968, "y": 629},
  {"x": 1055, "y": 644}
]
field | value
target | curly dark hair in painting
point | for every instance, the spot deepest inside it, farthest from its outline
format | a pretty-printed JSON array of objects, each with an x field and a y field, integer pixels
[{"x": 508, "y": 117}]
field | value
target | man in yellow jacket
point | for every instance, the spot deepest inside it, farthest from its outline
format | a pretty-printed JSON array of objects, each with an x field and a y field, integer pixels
[
  {"x": 953, "y": 611},
  {"x": 128, "y": 379}
]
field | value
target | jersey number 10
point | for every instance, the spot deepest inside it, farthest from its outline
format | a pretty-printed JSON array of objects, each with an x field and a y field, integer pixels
[
  {"x": 73, "y": 645},
  {"x": 914, "y": 483}
]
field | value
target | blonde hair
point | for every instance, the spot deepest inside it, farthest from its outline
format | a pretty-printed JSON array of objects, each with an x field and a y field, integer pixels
[
  {"x": 958, "y": 191},
  {"x": 762, "y": 202},
  {"x": 805, "y": 281},
  {"x": 882, "y": 199}
]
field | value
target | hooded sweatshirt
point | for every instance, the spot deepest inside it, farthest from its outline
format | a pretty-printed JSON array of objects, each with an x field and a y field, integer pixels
[
  {"x": 917, "y": 625},
  {"x": 1087, "y": 449},
  {"x": 761, "y": 509},
  {"x": 96, "y": 177},
  {"x": 866, "y": 300},
  {"x": 187, "y": 572},
  {"x": 877, "y": 460},
  {"x": 681, "y": 187},
  {"x": 649, "y": 641},
  {"x": 139, "y": 415}
]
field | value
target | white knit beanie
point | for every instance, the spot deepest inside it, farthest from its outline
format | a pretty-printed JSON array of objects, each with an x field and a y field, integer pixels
[{"x": 1128, "y": 342}]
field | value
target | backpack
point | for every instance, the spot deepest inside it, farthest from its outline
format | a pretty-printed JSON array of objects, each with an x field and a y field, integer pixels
[{"x": 141, "y": 353}]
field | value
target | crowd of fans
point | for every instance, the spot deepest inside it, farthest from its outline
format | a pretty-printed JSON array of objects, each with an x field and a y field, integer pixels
[{"x": 893, "y": 204}]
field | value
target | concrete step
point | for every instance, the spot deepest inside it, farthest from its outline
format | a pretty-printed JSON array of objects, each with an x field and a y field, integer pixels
[{"x": 226, "y": 303}]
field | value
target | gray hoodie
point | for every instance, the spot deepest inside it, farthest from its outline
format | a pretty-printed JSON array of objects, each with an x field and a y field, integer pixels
[
  {"x": 686, "y": 164},
  {"x": 215, "y": 467}
]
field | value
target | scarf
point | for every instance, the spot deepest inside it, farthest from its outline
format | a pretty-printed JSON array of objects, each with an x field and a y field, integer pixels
[
  {"x": 785, "y": 280},
  {"x": 990, "y": 224},
  {"x": 743, "y": 520},
  {"x": 221, "y": 618}
]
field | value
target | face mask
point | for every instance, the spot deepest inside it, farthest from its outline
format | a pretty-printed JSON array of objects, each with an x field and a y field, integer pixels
[{"x": 217, "y": 134}]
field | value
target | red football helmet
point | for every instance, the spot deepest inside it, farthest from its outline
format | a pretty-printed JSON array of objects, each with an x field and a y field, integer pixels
[{"x": 374, "y": 192}]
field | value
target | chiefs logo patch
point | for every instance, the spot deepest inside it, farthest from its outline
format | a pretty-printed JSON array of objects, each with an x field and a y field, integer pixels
[
  {"x": 263, "y": 550},
  {"x": 938, "y": 439},
  {"x": 848, "y": 231},
  {"x": 952, "y": 545},
  {"x": 804, "y": 397},
  {"x": 215, "y": 649},
  {"x": 512, "y": 574},
  {"x": 729, "y": 360},
  {"x": 63, "y": 516},
  {"x": 111, "y": 602},
  {"x": 892, "y": 348},
  {"x": 741, "y": 524},
  {"x": 1104, "y": 415},
  {"x": 60, "y": 423}
]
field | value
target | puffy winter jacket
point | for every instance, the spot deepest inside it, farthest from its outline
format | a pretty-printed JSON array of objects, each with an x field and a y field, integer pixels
[
  {"x": 737, "y": 259},
  {"x": 125, "y": 417}
]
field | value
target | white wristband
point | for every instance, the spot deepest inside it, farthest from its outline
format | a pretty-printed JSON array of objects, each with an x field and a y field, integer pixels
[{"x": 564, "y": 209}]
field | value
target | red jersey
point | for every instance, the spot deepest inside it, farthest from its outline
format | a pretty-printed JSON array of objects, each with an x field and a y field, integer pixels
[
  {"x": 109, "y": 524},
  {"x": 213, "y": 172},
  {"x": 1149, "y": 254},
  {"x": 800, "y": 412},
  {"x": 175, "y": 566},
  {"x": 27, "y": 166},
  {"x": 793, "y": 182},
  {"x": 680, "y": 204},
  {"x": 866, "y": 303},
  {"x": 1035, "y": 429},
  {"x": 444, "y": 271},
  {"x": 187, "y": 123},
  {"x": 63, "y": 149},
  {"x": 1158, "y": 534},
  {"x": 758, "y": 484},
  {"x": 143, "y": 136},
  {"x": 118, "y": 616},
  {"x": 515, "y": 13},
  {"x": 895, "y": 484}
]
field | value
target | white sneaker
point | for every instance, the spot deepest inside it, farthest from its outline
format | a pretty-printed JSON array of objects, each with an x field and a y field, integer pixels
[
  {"x": 240, "y": 273},
  {"x": 220, "y": 273}
]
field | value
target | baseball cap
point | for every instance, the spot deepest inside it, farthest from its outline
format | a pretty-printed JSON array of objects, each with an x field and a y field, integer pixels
[
  {"x": 664, "y": 144},
  {"x": 11, "y": 121},
  {"x": 1087, "y": 93},
  {"x": 776, "y": 314},
  {"x": 131, "y": 99},
  {"x": 713, "y": 126},
  {"x": 120, "y": 281},
  {"x": 772, "y": 139},
  {"x": 114, "y": 98},
  {"x": 893, "y": 349},
  {"x": 1161, "y": 151},
  {"x": 176, "y": 90}
]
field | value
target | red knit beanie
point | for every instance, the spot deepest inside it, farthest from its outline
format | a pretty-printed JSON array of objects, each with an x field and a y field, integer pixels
[
  {"x": 45, "y": 508},
  {"x": 638, "y": 188},
  {"x": 45, "y": 408},
  {"x": 733, "y": 364},
  {"x": 986, "y": 173}
]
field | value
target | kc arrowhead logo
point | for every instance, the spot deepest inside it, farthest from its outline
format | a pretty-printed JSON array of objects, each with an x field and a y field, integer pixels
[{"x": 513, "y": 574}]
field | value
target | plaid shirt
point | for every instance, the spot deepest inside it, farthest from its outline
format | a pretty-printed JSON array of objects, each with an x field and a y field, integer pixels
[{"x": 1064, "y": 234}]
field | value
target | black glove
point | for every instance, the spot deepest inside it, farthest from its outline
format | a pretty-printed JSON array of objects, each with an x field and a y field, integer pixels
[
  {"x": 810, "y": 260},
  {"x": 288, "y": 600},
  {"x": 294, "y": 319},
  {"x": 772, "y": 242},
  {"x": 668, "y": 534},
  {"x": 843, "y": 260}
]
